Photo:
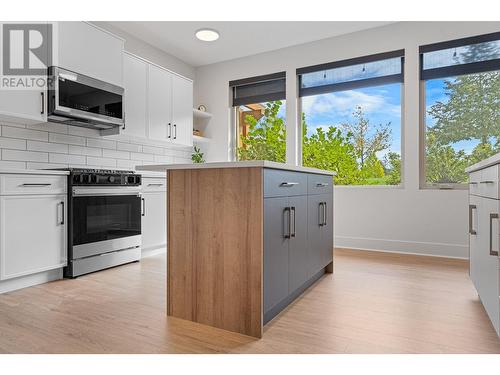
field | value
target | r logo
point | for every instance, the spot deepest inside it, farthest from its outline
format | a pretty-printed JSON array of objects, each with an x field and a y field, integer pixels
[{"x": 27, "y": 49}]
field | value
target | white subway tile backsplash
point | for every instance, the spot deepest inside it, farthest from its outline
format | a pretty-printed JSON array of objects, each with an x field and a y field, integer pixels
[
  {"x": 163, "y": 159},
  {"x": 102, "y": 143},
  {"x": 17, "y": 155},
  {"x": 49, "y": 147},
  {"x": 13, "y": 143},
  {"x": 35, "y": 165},
  {"x": 89, "y": 151},
  {"x": 115, "y": 154},
  {"x": 128, "y": 147},
  {"x": 101, "y": 162},
  {"x": 127, "y": 164},
  {"x": 67, "y": 159},
  {"x": 143, "y": 157},
  {"x": 53, "y": 145},
  {"x": 12, "y": 164},
  {"x": 153, "y": 150},
  {"x": 22, "y": 133},
  {"x": 66, "y": 139}
]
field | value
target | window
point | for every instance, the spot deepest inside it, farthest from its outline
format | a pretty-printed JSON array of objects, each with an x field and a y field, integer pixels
[
  {"x": 460, "y": 107},
  {"x": 351, "y": 118},
  {"x": 259, "y": 104}
]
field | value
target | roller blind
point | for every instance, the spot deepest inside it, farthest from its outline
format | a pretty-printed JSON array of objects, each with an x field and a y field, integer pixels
[
  {"x": 460, "y": 56},
  {"x": 259, "y": 89},
  {"x": 373, "y": 70}
]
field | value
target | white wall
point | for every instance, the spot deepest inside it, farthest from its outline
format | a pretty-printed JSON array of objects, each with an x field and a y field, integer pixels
[{"x": 404, "y": 219}]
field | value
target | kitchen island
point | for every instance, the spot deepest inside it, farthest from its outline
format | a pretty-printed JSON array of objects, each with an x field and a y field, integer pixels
[{"x": 245, "y": 239}]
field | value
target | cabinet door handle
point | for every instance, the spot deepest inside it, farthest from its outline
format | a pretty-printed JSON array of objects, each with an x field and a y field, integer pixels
[
  {"x": 288, "y": 184},
  {"x": 471, "y": 230},
  {"x": 492, "y": 252},
  {"x": 324, "y": 213},
  {"x": 35, "y": 185},
  {"x": 124, "y": 122},
  {"x": 286, "y": 224},
  {"x": 487, "y": 182},
  {"x": 292, "y": 210},
  {"x": 62, "y": 210},
  {"x": 143, "y": 201},
  {"x": 175, "y": 131},
  {"x": 169, "y": 130},
  {"x": 321, "y": 215},
  {"x": 472, "y": 183},
  {"x": 42, "y": 96}
]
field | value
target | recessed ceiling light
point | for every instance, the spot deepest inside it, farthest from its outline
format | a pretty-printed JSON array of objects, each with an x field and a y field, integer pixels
[{"x": 207, "y": 35}]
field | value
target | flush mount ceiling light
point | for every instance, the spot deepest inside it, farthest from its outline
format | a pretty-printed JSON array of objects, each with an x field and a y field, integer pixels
[{"x": 207, "y": 35}]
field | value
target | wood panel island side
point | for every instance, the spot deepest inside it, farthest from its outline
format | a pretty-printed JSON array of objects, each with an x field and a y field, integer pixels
[{"x": 245, "y": 239}]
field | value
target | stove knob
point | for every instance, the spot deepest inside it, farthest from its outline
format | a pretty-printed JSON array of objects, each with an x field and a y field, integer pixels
[
  {"x": 85, "y": 178},
  {"x": 76, "y": 179},
  {"x": 111, "y": 179},
  {"x": 93, "y": 178}
]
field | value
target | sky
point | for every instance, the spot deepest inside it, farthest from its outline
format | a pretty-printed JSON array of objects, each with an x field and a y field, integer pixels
[{"x": 381, "y": 105}]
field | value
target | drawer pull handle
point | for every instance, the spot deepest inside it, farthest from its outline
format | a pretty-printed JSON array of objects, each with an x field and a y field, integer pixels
[
  {"x": 487, "y": 182},
  {"x": 287, "y": 225},
  {"x": 471, "y": 230},
  {"x": 321, "y": 184},
  {"x": 36, "y": 185},
  {"x": 492, "y": 252},
  {"x": 288, "y": 184},
  {"x": 155, "y": 184},
  {"x": 472, "y": 183}
]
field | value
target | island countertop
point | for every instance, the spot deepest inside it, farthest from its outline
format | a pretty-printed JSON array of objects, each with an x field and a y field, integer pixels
[
  {"x": 495, "y": 159},
  {"x": 236, "y": 164}
]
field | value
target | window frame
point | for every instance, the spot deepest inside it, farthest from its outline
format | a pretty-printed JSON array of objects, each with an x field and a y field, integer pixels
[
  {"x": 379, "y": 81},
  {"x": 446, "y": 72}
]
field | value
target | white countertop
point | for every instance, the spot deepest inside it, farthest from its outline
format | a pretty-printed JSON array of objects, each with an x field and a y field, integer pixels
[
  {"x": 237, "y": 164},
  {"x": 492, "y": 160},
  {"x": 33, "y": 171}
]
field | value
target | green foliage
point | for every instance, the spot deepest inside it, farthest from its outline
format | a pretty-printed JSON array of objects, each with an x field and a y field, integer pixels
[
  {"x": 266, "y": 139},
  {"x": 350, "y": 152},
  {"x": 393, "y": 173},
  {"x": 197, "y": 155},
  {"x": 365, "y": 145}
]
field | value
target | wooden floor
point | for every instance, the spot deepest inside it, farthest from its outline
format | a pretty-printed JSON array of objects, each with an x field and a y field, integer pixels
[{"x": 373, "y": 303}]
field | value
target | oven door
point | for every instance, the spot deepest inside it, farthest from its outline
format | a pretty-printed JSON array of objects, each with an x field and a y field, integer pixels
[
  {"x": 81, "y": 97},
  {"x": 105, "y": 219}
]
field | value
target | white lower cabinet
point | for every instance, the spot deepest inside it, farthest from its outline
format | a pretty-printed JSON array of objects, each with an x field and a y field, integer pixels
[
  {"x": 484, "y": 244},
  {"x": 32, "y": 234},
  {"x": 154, "y": 214}
]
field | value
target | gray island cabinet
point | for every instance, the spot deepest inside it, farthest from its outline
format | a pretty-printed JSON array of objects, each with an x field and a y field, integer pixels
[{"x": 245, "y": 240}]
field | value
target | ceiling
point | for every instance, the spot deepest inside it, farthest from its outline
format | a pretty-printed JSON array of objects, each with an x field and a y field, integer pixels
[{"x": 237, "y": 39}]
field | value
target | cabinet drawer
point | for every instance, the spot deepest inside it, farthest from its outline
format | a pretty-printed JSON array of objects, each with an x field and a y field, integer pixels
[
  {"x": 488, "y": 186},
  {"x": 150, "y": 184},
  {"x": 319, "y": 184},
  {"x": 32, "y": 184},
  {"x": 474, "y": 179},
  {"x": 278, "y": 183}
]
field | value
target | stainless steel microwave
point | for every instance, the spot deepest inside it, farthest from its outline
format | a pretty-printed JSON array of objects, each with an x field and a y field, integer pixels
[{"x": 78, "y": 100}]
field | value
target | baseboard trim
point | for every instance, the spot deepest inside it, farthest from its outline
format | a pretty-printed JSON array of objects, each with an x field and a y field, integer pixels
[
  {"x": 30, "y": 280},
  {"x": 151, "y": 252},
  {"x": 434, "y": 249}
]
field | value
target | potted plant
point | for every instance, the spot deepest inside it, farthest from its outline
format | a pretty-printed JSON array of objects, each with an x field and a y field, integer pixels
[{"x": 197, "y": 156}]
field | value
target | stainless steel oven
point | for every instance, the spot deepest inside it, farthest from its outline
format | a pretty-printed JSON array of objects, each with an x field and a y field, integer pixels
[
  {"x": 79, "y": 100},
  {"x": 105, "y": 211}
]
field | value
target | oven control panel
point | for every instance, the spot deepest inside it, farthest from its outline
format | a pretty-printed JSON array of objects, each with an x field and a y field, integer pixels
[{"x": 104, "y": 177}]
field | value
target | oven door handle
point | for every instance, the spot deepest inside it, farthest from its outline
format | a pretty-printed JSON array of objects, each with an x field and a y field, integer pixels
[{"x": 100, "y": 191}]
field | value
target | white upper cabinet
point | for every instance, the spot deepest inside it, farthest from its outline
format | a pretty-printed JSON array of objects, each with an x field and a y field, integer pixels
[
  {"x": 160, "y": 103},
  {"x": 89, "y": 50},
  {"x": 135, "y": 82},
  {"x": 182, "y": 110},
  {"x": 17, "y": 105}
]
